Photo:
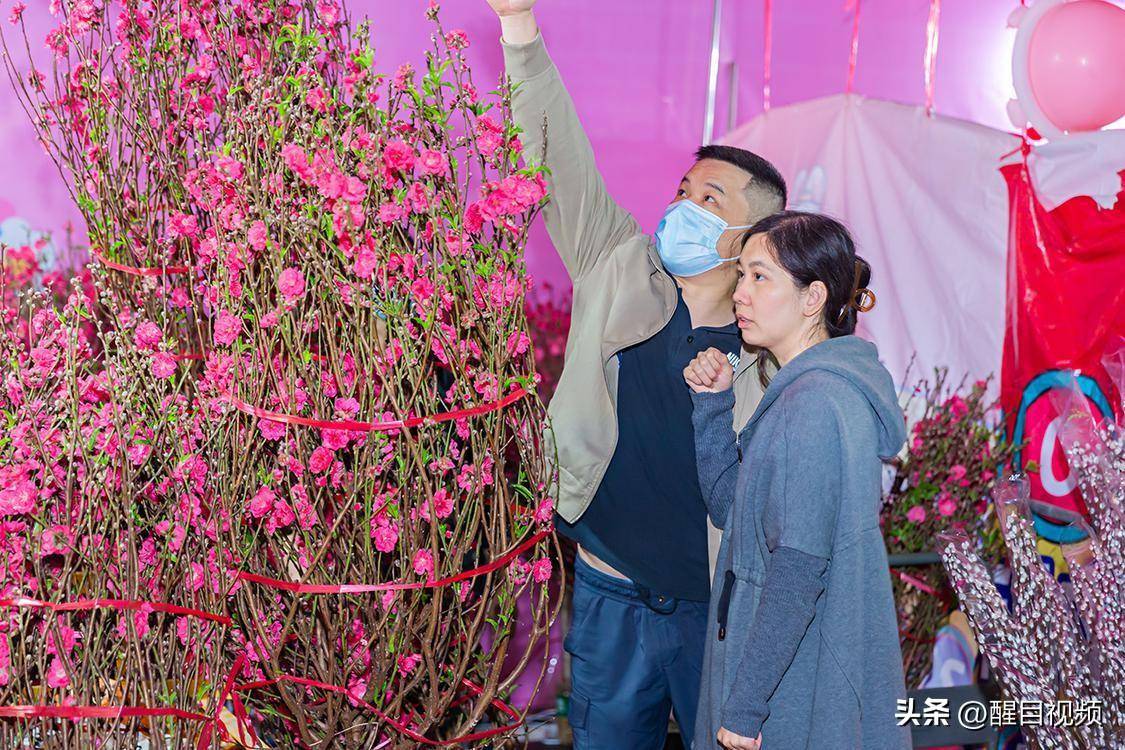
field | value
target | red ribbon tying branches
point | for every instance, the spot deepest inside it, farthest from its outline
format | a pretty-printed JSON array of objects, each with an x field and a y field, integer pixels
[
  {"x": 398, "y": 725},
  {"x": 365, "y": 588},
  {"x": 231, "y": 690},
  {"x": 138, "y": 270},
  {"x": 95, "y": 712},
  {"x": 393, "y": 424},
  {"x": 915, "y": 582},
  {"x": 84, "y": 604},
  {"x": 240, "y": 712}
]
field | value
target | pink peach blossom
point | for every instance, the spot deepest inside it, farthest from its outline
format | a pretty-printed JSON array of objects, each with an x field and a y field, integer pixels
[
  {"x": 291, "y": 283},
  {"x": 541, "y": 570},
  {"x": 431, "y": 163},
  {"x": 56, "y": 540},
  {"x": 183, "y": 225},
  {"x": 147, "y": 335},
  {"x": 424, "y": 563},
  {"x": 443, "y": 503},
  {"x": 56, "y": 674},
  {"x": 227, "y": 328},
  {"x": 946, "y": 506},
  {"x": 398, "y": 156},
  {"x": 320, "y": 460},
  {"x": 270, "y": 429},
  {"x": 17, "y": 497},
  {"x": 262, "y": 502},
  {"x": 163, "y": 365},
  {"x": 386, "y": 537},
  {"x": 257, "y": 235},
  {"x": 407, "y": 663}
]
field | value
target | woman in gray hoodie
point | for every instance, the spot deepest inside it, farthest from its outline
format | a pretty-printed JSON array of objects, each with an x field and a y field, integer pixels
[{"x": 802, "y": 648}]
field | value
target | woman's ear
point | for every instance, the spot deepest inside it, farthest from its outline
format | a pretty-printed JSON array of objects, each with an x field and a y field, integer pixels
[{"x": 816, "y": 297}]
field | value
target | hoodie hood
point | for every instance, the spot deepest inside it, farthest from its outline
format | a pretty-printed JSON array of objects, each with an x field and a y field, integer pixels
[{"x": 856, "y": 360}]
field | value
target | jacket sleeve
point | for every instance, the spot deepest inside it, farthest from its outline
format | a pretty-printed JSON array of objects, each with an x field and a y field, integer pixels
[
  {"x": 793, "y": 583},
  {"x": 582, "y": 219},
  {"x": 716, "y": 452}
]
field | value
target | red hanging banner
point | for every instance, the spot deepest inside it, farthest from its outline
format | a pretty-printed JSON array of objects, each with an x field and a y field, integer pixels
[{"x": 1065, "y": 311}]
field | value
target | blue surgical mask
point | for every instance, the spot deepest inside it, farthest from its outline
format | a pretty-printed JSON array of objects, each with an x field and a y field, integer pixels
[{"x": 687, "y": 239}]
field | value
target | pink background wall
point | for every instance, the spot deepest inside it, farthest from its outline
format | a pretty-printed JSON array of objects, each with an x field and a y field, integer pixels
[{"x": 637, "y": 70}]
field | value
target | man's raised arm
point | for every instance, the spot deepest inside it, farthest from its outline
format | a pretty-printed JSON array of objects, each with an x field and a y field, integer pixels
[{"x": 581, "y": 217}]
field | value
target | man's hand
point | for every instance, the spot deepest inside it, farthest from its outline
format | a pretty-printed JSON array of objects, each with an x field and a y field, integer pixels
[
  {"x": 517, "y": 22},
  {"x": 732, "y": 741},
  {"x": 511, "y": 7},
  {"x": 710, "y": 372}
]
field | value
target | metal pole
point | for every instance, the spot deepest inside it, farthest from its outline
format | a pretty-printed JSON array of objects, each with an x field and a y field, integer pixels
[
  {"x": 713, "y": 74},
  {"x": 732, "y": 99}
]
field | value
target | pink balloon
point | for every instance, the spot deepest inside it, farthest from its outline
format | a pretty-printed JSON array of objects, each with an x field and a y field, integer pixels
[{"x": 1076, "y": 64}]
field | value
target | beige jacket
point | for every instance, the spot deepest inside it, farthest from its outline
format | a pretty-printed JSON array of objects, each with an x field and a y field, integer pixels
[{"x": 621, "y": 294}]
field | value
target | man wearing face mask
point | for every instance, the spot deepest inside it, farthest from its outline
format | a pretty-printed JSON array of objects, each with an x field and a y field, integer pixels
[{"x": 621, "y": 415}]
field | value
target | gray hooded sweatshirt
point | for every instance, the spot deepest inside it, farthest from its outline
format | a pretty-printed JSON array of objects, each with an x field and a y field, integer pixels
[{"x": 802, "y": 482}]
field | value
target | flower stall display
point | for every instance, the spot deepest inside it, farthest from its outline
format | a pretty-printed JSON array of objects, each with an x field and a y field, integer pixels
[
  {"x": 941, "y": 480},
  {"x": 275, "y": 473},
  {"x": 1058, "y": 647},
  {"x": 548, "y": 317},
  {"x": 30, "y": 266}
]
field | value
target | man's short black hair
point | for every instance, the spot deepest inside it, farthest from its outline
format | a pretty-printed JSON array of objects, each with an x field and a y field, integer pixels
[{"x": 765, "y": 175}]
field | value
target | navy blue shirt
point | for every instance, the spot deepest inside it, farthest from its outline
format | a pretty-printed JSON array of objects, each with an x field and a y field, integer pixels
[{"x": 647, "y": 518}]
